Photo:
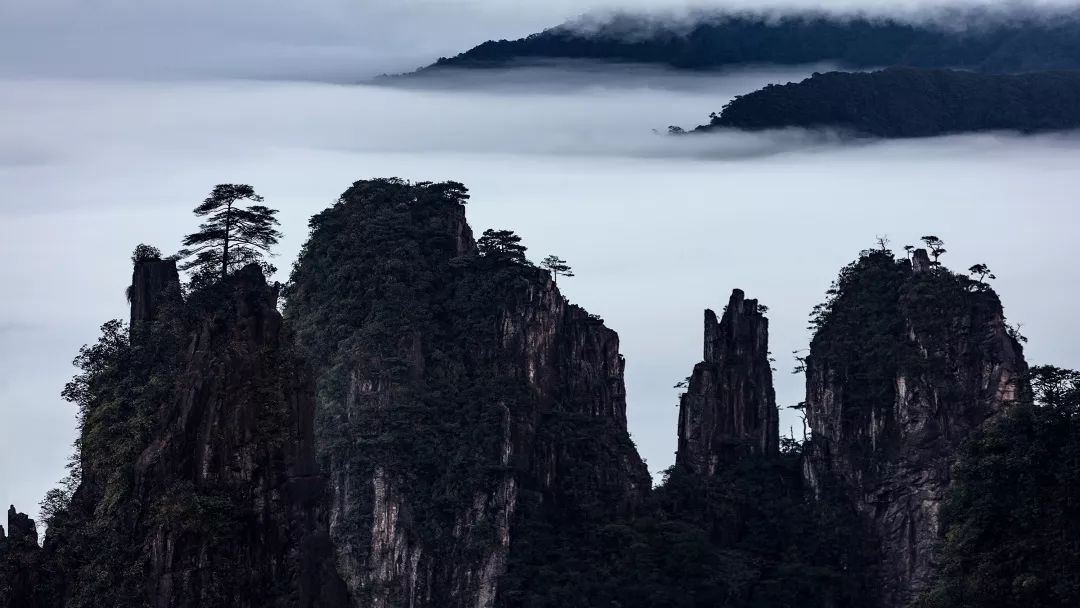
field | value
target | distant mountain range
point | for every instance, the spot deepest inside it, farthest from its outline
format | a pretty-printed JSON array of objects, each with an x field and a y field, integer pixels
[
  {"x": 905, "y": 102},
  {"x": 1009, "y": 41}
]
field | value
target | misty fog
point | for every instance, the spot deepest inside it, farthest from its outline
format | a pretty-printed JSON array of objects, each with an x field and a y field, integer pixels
[
  {"x": 656, "y": 228},
  {"x": 116, "y": 120}
]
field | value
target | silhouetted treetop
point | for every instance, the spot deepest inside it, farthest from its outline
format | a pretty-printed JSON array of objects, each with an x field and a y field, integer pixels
[
  {"x": 237, "y": 231},
  {"x": 503, "y": 246},
  {"x": 557, "y": 266}
]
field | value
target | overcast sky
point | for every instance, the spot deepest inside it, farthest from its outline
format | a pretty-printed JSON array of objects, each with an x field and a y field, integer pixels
[{"x": 117, "y": 117}]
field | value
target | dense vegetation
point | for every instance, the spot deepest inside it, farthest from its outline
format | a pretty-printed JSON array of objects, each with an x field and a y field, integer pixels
[
  {"x": 997, "y": 42},
  {"x": 902, "y": 102},
  {"x": 91, "y": 518},
  {"x": 749, "y": 537},
  {"x": 397, "y": 308},
  {"x": 1012, "y": 519}
]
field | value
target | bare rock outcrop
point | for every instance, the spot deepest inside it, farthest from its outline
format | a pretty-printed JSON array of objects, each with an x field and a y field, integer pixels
[
  {"x": 22, "y": 581},
  {"x": 729, "y": 407},
  {"x": 154, "y": 283}
]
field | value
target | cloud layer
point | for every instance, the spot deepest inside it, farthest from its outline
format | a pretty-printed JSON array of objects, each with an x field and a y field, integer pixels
[{"x": 656, "y": 228}]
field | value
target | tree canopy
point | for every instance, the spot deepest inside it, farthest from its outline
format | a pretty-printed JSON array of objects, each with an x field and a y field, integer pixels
[
  {"x": 557, "y": 266},
  {"x": 1002, "y": 42},
  {"x": 237, "y": 231},
  {"x": 502, "y": 246},
  {"x": 906, "y": 102}
]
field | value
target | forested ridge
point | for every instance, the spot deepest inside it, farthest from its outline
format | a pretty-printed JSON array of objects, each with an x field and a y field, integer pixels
[
  {"x": 975, "y": 39},
  {"x": 905, "y": 102}
]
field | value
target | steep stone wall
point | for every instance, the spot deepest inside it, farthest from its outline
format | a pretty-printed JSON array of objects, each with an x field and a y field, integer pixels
[
  {"x": 199, "y": 486},
  {"x": 239, "y": 436},
  {"x": 21, "y": 576},
  {"x": 154, "y": 284},
  {"x": 452, "y": 387},
  {"x": 887, "y": 434}
]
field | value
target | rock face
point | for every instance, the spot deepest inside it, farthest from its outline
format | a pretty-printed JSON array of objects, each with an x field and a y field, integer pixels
[
  {"x": 240, "y": 433},
  {"x": 154, "y": 283},
  {"x": 729, "y": 408},
  {"x": 199, "y": 486},
  {"x": 20, "y": 562},
  {"x": 460, "y": 396},
  {"x": 907, "y": 362},
  {"x": 21, "y": 529}
]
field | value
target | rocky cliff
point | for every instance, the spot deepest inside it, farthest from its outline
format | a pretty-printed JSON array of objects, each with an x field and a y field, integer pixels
[
  {"x": 197, "y": 478},
  {"x": 20, "y": 562},
  {"x": 155, "y": 284},
  {"x": 236, "y": 447},
  {"x": 461, "y": 397},
  {"x": 729, "y": 408},
  {"x": 907, "y": 361}
]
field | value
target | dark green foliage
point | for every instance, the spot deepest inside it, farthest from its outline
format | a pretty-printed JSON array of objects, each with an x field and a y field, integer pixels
[
  {"x": 232, "y": 236},
  {"x": 502, "y": 246},
  {"x": 1012, "y": 516},
  {"x": 859, "y": 329},
  {"x": 1009, "y": 41},
  {"x": 391, "y": 299},
  {"x": 145, "y": 252},
  {"x": 747, "y": 537},
  {"x": 904, "y": 102},
  {"x": 981, "y": 272},
  {"x": 124, "y": 379},
  {"x": 934, "y": 246}
]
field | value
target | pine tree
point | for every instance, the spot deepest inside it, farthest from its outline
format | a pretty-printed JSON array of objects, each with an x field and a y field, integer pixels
[
  {"x": 502, "y": 246},
  {"x": 233, "y": 235},
  {"x": 935, "y": 245},
  {"x": 557, "y": 266}
]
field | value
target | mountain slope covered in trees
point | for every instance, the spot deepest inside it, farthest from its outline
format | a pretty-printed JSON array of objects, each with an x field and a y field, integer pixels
[
  {"x": 905, "y": 102},
  {"x": 994, "y": 41}
]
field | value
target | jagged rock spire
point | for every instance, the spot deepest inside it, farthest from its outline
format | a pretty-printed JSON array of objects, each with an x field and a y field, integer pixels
[
  {"x": 920, "y": 261},
  {"x": 729, "y": 408},
  {"x": 21, "y": 529}
]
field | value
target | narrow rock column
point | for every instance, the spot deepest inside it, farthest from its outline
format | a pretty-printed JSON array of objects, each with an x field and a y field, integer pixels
[
  {"x": 21, "y": 529},
  {"x": 729, "y": 408},
  {"x": 153, "y": 283}
]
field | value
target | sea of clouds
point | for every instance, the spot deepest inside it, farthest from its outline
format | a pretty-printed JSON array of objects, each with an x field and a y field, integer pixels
[{"x": 116, "y": 121}]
